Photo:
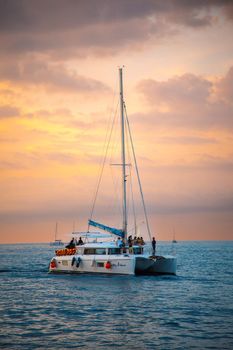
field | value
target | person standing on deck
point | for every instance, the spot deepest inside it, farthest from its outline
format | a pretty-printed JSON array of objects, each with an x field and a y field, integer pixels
[{"x": 153, "y": 246}]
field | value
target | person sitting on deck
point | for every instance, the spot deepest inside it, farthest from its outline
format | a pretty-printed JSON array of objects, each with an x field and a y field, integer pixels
[
  {"x": 135, "y": 240},
  {"x": 80, "y": 241},
  {"x": 71, "y": 244}
]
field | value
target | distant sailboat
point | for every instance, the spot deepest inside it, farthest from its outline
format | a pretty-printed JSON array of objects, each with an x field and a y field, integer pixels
[
  {"x": 57, "y": 242},
  {"x": 174, "y": 237}
]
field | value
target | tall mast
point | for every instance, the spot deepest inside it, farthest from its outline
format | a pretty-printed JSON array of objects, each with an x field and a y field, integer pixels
[{"x": 124, "y": 225}]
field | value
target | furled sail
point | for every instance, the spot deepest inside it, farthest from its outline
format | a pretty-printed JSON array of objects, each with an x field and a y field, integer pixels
[{"x": 112, "y": 230}]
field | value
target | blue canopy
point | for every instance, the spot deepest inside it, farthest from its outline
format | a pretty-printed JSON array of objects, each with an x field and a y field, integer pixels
[{"x": 112, "y": 230}]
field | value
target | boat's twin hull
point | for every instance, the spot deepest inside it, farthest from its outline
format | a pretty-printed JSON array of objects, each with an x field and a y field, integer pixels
[
  {"x": 143, "y": 264},
  {"x": 126, "y": 265},
  {"x": 163, "y": 265}
]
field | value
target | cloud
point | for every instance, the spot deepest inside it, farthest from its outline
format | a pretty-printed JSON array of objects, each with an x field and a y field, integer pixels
[
  {"x": 203, "y": 163},
  {"x": 37, "y": 72},
  {"x": 185, "y": 140},
  {"x": 69, "y": 27},
  {"x": 188, "y": 101},
  {"x": 207, "y": 202},
  {"x": 224, "y": 87},
  {"x": 228, "y": 10},
  {"x": 63, "y": 15},
  {"x": 43, "y": 158},
  {"x": 9, "y": 112},
  {"x": 188, "y": 89},
  {"x": 27, "y": 160},
  {"x": 82, "y": 123}
]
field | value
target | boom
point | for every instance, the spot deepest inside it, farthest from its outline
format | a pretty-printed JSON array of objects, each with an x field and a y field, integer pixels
[{"x": 109, "y": 229}]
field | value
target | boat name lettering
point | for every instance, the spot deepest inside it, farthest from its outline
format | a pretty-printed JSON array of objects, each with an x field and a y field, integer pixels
[{"x": 118, "y": 264}]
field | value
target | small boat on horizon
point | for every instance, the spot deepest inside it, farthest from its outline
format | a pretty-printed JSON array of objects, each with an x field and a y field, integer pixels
[
  {"x": 115, "y": 252},
  {"x": 174, "y": 237},
  {"x": 56, "y": 242}
]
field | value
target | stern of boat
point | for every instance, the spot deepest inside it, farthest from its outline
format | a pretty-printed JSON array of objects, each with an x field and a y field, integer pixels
[
  {"x": 143, "y": 264},
  {"x": 163, "y": 265}
]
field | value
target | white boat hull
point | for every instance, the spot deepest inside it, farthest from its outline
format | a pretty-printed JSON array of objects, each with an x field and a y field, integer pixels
[
  {"x": 126, "y": 265},
  {"x": 98, "y": 264}
]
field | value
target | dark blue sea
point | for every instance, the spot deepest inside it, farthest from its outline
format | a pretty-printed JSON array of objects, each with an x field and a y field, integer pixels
[{"x": 193, "y": 310}]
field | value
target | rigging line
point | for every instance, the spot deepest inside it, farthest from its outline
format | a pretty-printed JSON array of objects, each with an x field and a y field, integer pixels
[
  {"x": 114, "y": 142},
  {"x": 102, "y": 167},
  {"x": 131, "y": 179},
  {"x": 116, "y": 188},
  {"x": 116, "y": 108},
  {"x": 113, "y": 153},
  {"x": 137, "y": 172},
  {"x": 113, "y": 159},
  {"x": 110, "y": 115},
  {"x": 109, "y": 122},
  {"x": 105, "y": 147},
  {"x": 133, "y": 203},
  {"x": 139, "y": 224}
]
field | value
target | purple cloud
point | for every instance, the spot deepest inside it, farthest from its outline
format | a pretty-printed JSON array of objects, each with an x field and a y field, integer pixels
[
  {"x": 9, "y": 112},
  {"x": 39, "y": 73},
  {"x": 188, "y": 89},
  {"x": 225, "y": 87},
  {"x": 70, "y": 27},
  {"x": 188, "y": 101}
]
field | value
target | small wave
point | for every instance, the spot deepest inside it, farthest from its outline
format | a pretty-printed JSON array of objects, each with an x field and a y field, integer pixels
[
  {"x": 25, "y": 271},
  {"x": 5, "y": 270}
]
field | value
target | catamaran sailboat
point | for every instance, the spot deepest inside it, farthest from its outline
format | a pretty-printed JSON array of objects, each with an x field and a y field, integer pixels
[{"x": 113, "y": 252}]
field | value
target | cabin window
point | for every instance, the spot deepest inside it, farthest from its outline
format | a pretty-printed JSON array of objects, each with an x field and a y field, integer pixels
[
  {"x": 100, "y": 264},
  {"x": 100, "y": 251},
  {"x": 89, "y": 251},
  {"x": 95, "y": 251},
  {"x": 113, "y": 251}
]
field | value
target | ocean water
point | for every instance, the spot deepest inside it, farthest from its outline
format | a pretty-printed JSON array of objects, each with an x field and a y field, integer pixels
[{"x": 193, "y": 310}]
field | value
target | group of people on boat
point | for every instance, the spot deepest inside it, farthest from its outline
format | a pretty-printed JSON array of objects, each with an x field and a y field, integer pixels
[
  {"x": 74, "y": 242},
  {"x": 131, "y": 241},
  {"x": 135, "y": 241},
  {"x": 120, "y": 243}
]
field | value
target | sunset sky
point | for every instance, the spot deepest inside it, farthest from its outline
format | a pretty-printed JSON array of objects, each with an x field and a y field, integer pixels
[{"x": 59, "y": 64}]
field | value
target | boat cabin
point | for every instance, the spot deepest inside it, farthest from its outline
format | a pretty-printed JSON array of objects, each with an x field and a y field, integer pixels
[{"x": 135, "y": 250}]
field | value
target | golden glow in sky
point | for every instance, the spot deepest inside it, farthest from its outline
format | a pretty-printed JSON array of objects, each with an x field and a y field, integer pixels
[{"x": 58, "y": 80}]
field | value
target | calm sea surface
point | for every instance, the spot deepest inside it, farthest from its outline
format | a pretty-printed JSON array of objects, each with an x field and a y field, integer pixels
[{"x": 193, "y": 310}]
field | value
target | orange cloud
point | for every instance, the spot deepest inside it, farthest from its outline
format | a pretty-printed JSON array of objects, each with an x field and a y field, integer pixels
[{"x": 56, "y": 66}]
